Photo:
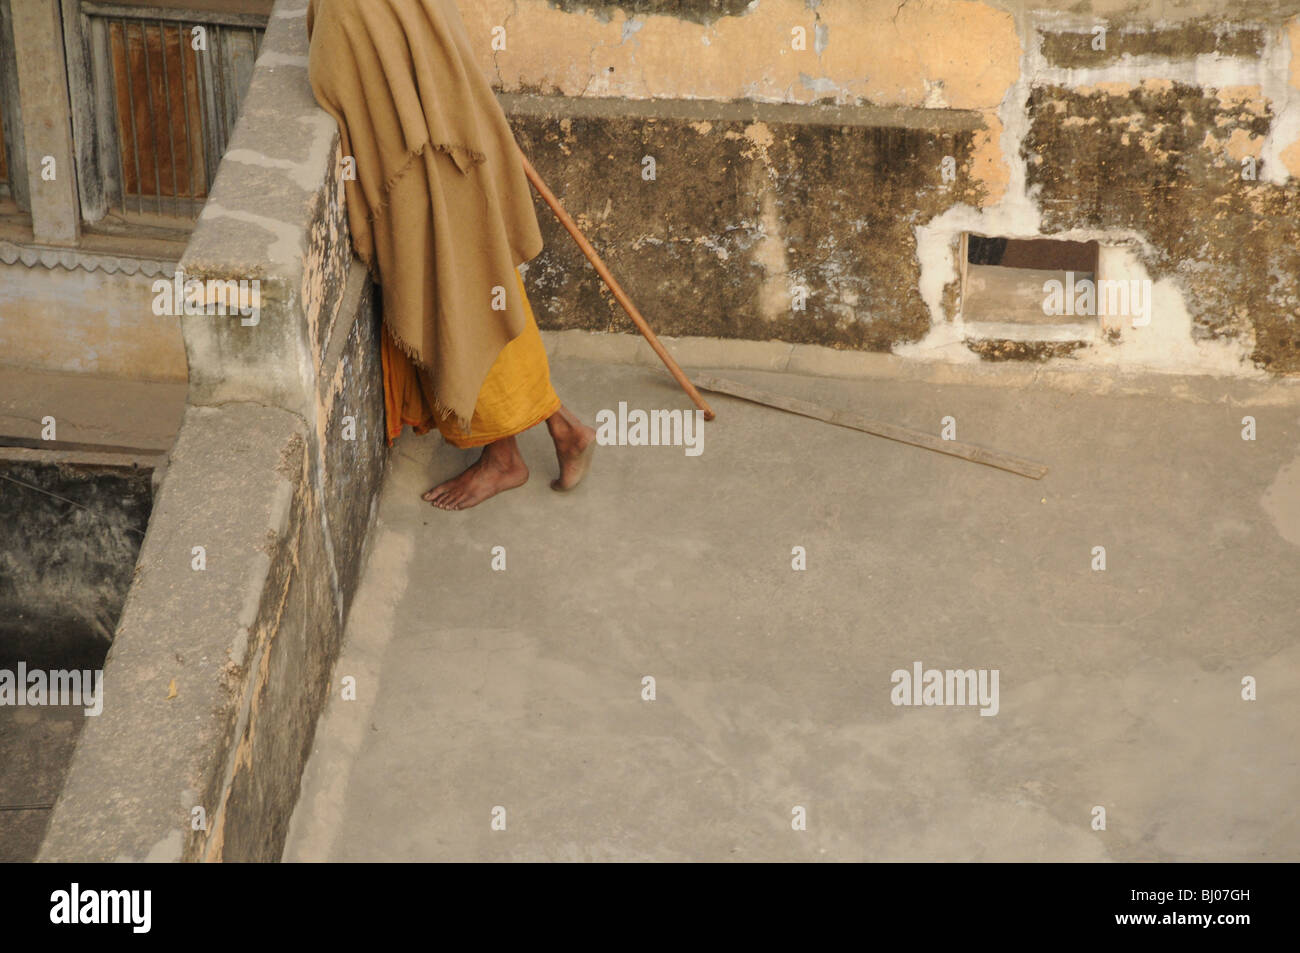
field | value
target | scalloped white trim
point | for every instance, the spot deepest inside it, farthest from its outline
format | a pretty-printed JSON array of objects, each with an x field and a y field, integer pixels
[{"x": 73, "y": 259}]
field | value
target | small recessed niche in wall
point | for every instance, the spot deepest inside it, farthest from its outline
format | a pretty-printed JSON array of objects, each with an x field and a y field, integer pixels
[{"x": 1003, "y": 280}]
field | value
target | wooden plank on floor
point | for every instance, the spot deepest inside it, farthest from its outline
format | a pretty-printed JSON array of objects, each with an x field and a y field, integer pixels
[{"x": 840, "y": 418}]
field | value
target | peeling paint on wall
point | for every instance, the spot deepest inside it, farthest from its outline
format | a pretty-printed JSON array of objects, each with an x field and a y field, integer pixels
[
  {"x": 877, "y": 51},
  {"x": 1086, "y": 148}
]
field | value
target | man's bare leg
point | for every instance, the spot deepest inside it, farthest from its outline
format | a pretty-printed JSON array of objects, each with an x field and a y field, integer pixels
[
  {"x": 499, "y": 468},
  {"x": 575, "y": 443}
]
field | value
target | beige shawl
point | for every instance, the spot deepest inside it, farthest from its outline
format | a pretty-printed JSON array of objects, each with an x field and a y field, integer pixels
[{"x": 439, "y": 209}]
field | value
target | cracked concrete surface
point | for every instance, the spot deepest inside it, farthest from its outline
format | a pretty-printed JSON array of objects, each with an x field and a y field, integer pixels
[
  {"x": 522, "y": 689},
  {"x": 90, "y": 409}
]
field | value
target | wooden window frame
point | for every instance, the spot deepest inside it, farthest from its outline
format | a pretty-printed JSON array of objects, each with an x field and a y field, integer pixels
[
  {"x": 96, "y": 146},
  {"x": 14, "y": 189}
]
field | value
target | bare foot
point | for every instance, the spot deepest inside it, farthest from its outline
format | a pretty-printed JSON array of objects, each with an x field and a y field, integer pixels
[
  {"x": 575, "y": 443},
  {"x": 500, "y": 468}
]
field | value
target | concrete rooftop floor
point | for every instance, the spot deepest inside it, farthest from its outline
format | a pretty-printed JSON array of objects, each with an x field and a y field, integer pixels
[{"x": 1119, "y": 689}]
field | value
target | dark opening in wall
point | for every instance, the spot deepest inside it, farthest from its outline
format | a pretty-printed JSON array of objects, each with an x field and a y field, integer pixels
[
  {"x": 1004, "y": 280},
  {"x": 700, "y": 11},
  {"x": 69, "y": 538}
]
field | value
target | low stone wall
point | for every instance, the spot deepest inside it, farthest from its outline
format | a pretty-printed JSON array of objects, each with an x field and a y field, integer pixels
[
  {"x": 222, "y": 658},
  {"x": 797, "y": 152}
]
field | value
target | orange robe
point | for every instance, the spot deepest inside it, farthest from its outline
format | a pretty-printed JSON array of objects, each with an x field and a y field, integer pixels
[{"x": 516, "y": 395}]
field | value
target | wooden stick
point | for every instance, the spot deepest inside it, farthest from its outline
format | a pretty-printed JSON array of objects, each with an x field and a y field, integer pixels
[
  {"x": 992, "y": 458},
  {"x": 572, "y": 228}
]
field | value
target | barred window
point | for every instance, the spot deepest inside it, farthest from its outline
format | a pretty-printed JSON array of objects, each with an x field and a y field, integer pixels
[{"x": 166, "y": 85}]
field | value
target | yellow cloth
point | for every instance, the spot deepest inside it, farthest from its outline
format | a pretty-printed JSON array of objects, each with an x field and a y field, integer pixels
[
  {"x": 439, "y": 208},
  {"x": 516, "y": 395}
]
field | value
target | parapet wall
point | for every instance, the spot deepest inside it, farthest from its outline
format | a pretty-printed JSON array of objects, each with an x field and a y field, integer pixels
[{"x": 223, "y": 655}]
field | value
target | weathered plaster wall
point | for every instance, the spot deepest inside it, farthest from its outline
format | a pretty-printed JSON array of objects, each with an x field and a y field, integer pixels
[
  {"x": 1143, "y": 152},
  {"x": 1162, "y": 160},
  {"x": 737, "y": 219},
  {"x": 743, "y": 212},
  {"x": 954, "y": 53},
  {"x": 93, "y": 317},
  {"x": 961, "y": 53}
]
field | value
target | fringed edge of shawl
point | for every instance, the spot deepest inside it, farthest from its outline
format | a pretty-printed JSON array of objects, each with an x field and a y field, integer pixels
[
  {"x": 439, "y": 407},
  {"x": 386, "y": 193}
]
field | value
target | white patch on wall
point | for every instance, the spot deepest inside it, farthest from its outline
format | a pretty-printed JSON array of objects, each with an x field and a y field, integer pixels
[
  {"x": 770, "y": 252},
  {"x": 1275, "y": 83},
  {"x": 934, "y": 96},
  {"x": 1167, "y": 343}
]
